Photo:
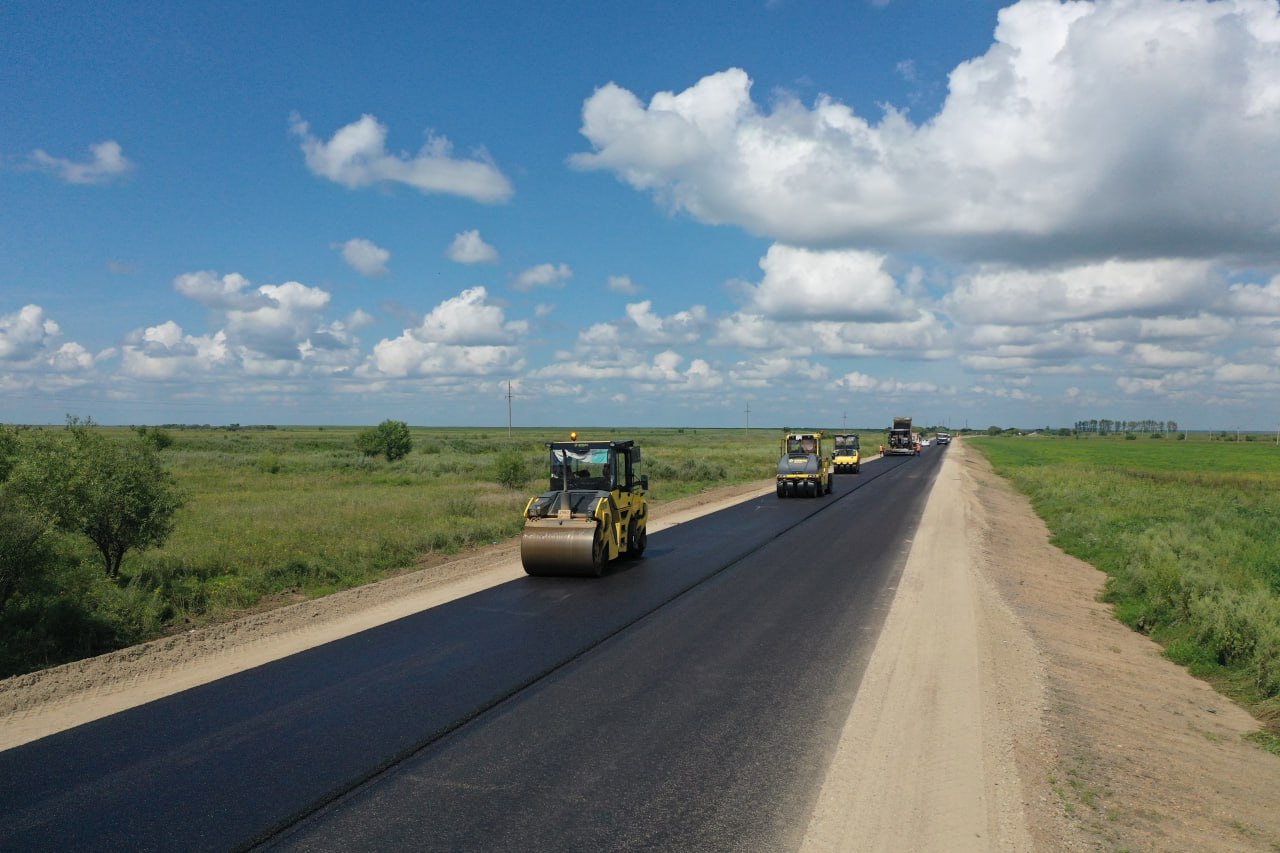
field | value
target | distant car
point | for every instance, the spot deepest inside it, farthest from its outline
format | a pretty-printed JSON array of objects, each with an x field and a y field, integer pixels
[{"x": 944, "y": 438}]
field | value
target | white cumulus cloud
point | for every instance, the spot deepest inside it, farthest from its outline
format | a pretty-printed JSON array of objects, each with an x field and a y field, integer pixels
[
  {"x": 470, "y": 248},
  {"x": 801, "y": 284},
  {"x": 1117, "y": 128},
  {"x": 221, "y": 293},
  {"x": 407, "y": 356},
  {"x": 26, "y": 334},
  {"x": 623, "y": 284},
  {"x": 166, "y": 352},
  {"x": 464, "y": 335},
  {"x": 1108, "y": 289},
  {"x": 356, "y": 156},
  {"x": 106, "y": 162},
  {"x": 277, "y": 329},
  {"x": 543, "y": 275},
  {"x": 365, "y": 257},
  {"x": 469, "y": 319}
]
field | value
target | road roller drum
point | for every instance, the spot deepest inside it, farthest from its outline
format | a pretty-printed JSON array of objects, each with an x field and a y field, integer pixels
[{"x": 556, "y": 547}]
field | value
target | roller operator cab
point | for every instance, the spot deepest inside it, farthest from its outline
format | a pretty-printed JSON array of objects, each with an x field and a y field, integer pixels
[
  {"x": 804, "y": 469},
  {"x": 595, "y": 511},
  {"x": 846, "y": 453}
]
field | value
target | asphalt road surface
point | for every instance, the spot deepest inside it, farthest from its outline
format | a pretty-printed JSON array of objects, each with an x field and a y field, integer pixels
[{"x": 689, "y": 700}]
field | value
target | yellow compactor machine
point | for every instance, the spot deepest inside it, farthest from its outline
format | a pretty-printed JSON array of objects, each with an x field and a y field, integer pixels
[
  {"x": 847, "y": 455},
  {"x": 804, "y": 469},
  {"x": 596, "y": 510}
]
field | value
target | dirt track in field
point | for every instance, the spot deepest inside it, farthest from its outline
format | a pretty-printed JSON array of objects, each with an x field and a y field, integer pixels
[{"x": 1003, "y": 709}]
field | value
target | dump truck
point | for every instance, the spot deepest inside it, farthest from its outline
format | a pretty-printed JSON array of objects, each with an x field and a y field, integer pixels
[
  {"x": 846, "y": 453},
  {"x": 901, "y": 441},
  {"x": 596, "y": 509},
  {"x": 804, "y": 470}
]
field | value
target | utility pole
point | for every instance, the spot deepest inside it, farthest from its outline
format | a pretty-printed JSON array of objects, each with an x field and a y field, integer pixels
[
  {"x": 508, "y": 409},
  {"x": 748, "y": 413},
  {"x": 844, "y": 420}
]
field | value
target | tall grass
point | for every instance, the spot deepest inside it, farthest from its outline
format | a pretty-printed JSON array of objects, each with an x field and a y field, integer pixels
[{"x": 1187, "y": 533}]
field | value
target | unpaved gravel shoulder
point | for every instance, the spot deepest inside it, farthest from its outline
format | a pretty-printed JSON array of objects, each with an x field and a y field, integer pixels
[
  {"x": 1004, "y": 708},
  {"x": 928, "y": 756},
  {"x": 41, "y": 703}
]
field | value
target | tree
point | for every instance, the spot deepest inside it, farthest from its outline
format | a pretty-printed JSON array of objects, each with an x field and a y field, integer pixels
[
  {"x": 115, "y": 493},
  {"x": 8, "y": 451},
  {"x": 24, "y": 545},
  {"x": 389, "y": 438},
  {"x": 994, "y": 430}
]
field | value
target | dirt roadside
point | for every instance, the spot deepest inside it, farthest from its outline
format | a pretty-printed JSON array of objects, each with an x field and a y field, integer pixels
[{"x": 1003, "y": 709}]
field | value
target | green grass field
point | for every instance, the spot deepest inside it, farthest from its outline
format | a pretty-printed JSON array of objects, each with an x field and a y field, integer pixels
[{"x": 1188, "y": 533}]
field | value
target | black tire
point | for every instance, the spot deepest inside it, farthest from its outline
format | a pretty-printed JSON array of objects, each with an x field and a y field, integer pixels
[
  {"x": 637, "y": 540},
  {"x": 598, "y": 550}
]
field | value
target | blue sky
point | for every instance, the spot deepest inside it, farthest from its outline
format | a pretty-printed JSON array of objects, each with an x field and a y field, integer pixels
[{"x": 641, "y": 214}]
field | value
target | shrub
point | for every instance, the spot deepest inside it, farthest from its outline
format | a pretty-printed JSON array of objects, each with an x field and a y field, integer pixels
[
  {"x": 156, "y": 437},
  {"x": 389, "y": 438},
  {"x": 1267, "y": 660},
  {"x": 512, "y": 472},
  {"x": 1225, "y": 627}
]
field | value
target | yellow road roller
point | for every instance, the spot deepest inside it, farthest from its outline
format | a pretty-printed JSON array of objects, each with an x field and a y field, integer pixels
[
  {"x": 804, "y": 469},
  {"x": 847, "y": 455},
  {"x": 594, "y": 512}
]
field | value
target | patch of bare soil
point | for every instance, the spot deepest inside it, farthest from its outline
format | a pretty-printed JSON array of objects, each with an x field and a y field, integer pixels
[{"x": 41, "y": 703}]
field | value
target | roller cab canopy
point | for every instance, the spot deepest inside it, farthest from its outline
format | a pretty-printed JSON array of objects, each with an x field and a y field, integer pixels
[{"x": 595, "y": 465}]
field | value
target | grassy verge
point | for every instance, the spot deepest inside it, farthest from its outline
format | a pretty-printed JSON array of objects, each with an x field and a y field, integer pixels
[
  {"x": 281, "y": 514},
  {"x": 1186, "y": 532}
]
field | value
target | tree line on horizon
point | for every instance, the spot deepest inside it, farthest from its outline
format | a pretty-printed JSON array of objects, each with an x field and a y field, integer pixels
[{"x": 1103, "y": 426}]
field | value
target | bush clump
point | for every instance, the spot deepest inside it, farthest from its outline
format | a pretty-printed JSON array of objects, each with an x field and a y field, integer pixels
[
  {"x": 389, "y": 438},
  {"x": 512, "y": 472}
]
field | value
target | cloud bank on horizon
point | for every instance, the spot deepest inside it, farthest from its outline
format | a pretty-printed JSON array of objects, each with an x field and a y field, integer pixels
[{"x": 1087, "y": 226}]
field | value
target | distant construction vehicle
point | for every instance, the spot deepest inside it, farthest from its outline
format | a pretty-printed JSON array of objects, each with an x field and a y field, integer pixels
[
  {"x": 846, "y": 453},
  {"x": 596, "y": 510},
  {"x": 804, "y": 470},
  {"x": 901, "y": 440}
]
